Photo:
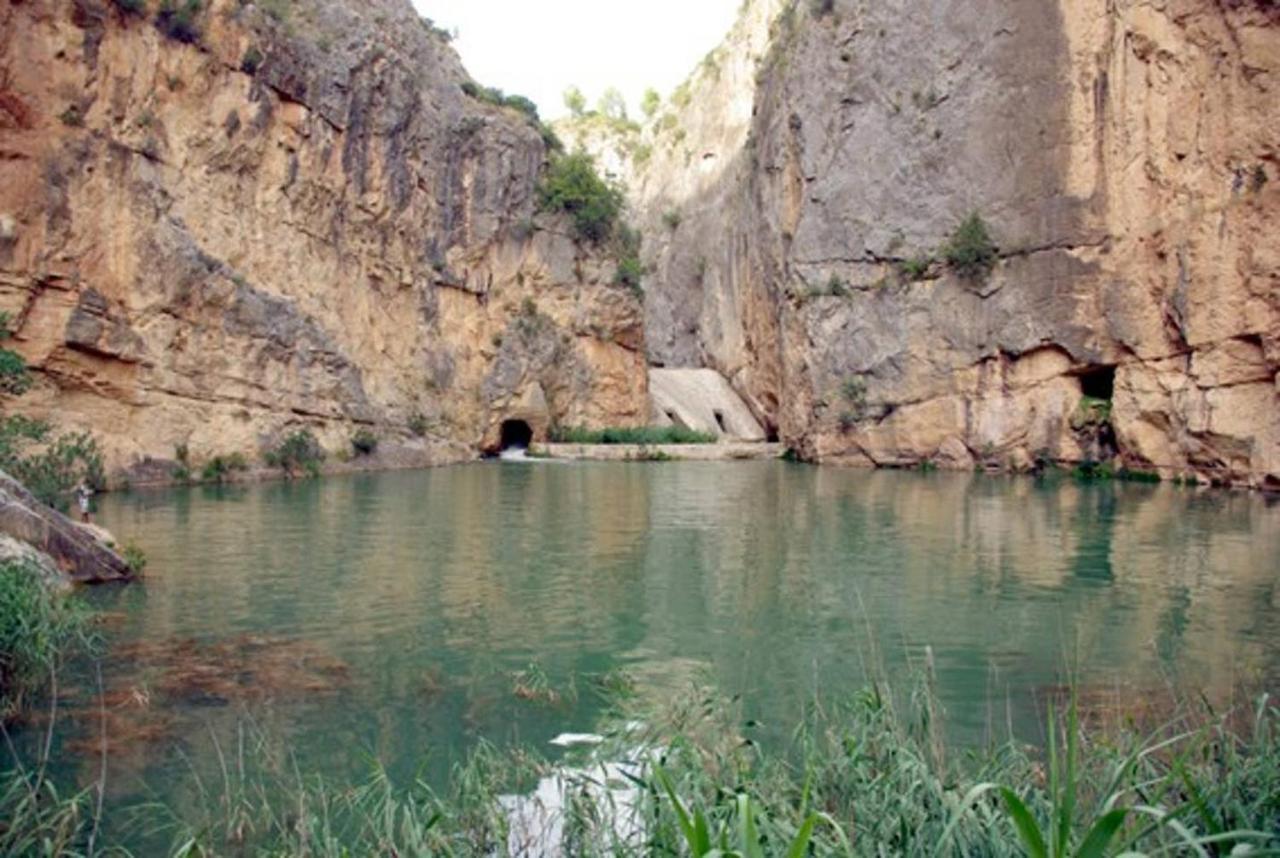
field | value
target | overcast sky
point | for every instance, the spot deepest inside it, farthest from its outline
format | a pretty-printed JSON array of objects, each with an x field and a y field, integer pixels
[{"x": 539, "y": 47}]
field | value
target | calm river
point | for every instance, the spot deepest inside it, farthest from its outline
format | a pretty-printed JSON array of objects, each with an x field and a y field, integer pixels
[{"x": 404, "y": 616}]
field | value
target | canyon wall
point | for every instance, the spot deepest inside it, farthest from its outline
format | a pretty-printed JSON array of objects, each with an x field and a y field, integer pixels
[
  {"x": 275, "y": 216},
  {"x": 1125, "y": 159},
  {"x": 278, "y": 216}
]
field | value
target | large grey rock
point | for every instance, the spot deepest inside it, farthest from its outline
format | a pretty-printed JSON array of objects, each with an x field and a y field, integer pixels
[
  {"x": 1117, "y": 152},
  {"x": 79, "y": 556}
]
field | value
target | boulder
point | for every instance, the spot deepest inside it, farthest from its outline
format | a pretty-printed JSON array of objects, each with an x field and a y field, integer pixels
[{"x": 75, "y": 551}]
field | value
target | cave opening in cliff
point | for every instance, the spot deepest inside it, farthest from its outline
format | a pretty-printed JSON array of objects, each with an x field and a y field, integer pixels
[
  {"x": 1098, "y": 382},
  {"x": 515, "y": 435}
]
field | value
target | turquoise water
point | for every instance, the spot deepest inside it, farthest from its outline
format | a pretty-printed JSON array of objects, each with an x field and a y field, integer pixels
[{"x": 404, "y": 616}]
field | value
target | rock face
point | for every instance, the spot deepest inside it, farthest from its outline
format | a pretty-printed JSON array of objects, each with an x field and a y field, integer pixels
[
  {"x": 214, "y": 235},
  {"x": 1125, "y": 158},
  {"x": 29, "y": 530}
]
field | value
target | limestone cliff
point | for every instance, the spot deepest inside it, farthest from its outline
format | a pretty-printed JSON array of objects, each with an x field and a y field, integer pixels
[
  {"x": 1125, "y": 158},
  {"x": 215, "y": 228}
]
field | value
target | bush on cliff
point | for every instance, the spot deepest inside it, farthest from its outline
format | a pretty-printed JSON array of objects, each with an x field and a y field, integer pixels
[
  {"x": 299, "y": 451},
  {"x": 177, "y": 19},
  {"x": 970, "y": 250},
  {"x": 220, "y": 468},
  {"x": 626, "y": 249},
  {"x": 56, "y": 464},
  {"x": 572, "y": 186}
]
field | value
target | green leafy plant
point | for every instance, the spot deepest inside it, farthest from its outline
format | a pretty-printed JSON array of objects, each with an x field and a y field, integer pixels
[
  {"x": 418, "y": 424},
  {"x": 970, "y": 251},
  {"x": 55, "y": 466},
  {"x": 179, "y": 20},
  {"x": 134, "y": 557},
  {"x": 671, "y": 218},
  {"x": 49, "y": 466},
  {"x": 650, "y": 102},
  {"x": 575, "y": 101},
  {"x": 220, "y": 468},
  {"x": 526, "y": 106},
  {"x": 181, "y": 471},
  {"x": 15, "y": 378},
  {"x": 38, "y": 629},
  {"x": 131, "y": 7},
  {"x": 914, "y": 268},
  {"x": 298, "y": 452},
  {"x": 647, "y": 435},
  {"x": 277, "y": 10},
  {"x": 630, "y": 271},
  {"x": 572, "y": 186},
  {"x": 71, "y": 117}
]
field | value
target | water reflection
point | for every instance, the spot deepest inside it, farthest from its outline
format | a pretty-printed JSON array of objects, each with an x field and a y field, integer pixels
[{"x": 776, "y": 581}]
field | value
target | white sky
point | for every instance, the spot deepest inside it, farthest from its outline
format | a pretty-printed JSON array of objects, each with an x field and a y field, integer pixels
[{"x": 537, "y": 48}]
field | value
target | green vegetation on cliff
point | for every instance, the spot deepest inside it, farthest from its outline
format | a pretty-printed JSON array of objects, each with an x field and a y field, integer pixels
[
  {"x": 298, "y": 452},
  {"x": 571, "y": 185},
  {"x": 630, "y": 435},
  {"x": 970, "y": 251},
  {"x": 49, "y": 465}
]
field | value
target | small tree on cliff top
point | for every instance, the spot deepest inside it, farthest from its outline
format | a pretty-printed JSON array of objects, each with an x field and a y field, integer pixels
[{"x": 571, "y": 185}]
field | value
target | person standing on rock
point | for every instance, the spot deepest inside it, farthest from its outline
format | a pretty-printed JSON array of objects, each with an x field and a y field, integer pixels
[{"x": 83, "y": 493}]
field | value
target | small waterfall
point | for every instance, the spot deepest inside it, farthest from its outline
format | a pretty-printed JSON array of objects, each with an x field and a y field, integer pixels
[{"x": 514, "y": 454}]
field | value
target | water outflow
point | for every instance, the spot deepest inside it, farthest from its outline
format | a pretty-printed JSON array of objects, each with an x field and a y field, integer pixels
[{"x": 514, "y": 454}]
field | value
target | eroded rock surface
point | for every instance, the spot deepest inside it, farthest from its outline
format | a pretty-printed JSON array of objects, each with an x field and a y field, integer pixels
[
  {"x": 1124, "y": 156},
  {"x": 284, "y": 224}
]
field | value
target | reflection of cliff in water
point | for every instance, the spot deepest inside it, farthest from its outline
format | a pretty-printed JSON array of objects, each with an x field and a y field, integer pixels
[{"x": 777, "y": 581}]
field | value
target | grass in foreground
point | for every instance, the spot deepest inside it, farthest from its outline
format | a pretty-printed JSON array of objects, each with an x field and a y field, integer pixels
[
  {"x": 631, "y": 435},
  {"x": 38, "y": 628},
  {"x": 866, "y": 778}
]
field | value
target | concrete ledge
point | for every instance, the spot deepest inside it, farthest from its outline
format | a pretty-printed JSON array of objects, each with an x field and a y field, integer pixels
[{"x": 722, "y": 452}]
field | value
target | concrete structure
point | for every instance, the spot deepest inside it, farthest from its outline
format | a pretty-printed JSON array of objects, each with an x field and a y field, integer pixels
[{"x": 700, "y": 399}]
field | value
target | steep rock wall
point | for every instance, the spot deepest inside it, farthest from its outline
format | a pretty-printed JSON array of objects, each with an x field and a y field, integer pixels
[
  {"x": 284, "y": 223},
  {"x": 1126, "y": 160}
]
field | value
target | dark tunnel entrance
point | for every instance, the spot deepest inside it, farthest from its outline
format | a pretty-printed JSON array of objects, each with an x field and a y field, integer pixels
[{"x": 516, "y": 434}]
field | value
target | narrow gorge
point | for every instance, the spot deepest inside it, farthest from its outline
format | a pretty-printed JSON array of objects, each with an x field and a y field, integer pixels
[
  {"x": 800, "y": 192},
  {"x": 872, "y": 451},
  {"x": 279, "y": 221}
]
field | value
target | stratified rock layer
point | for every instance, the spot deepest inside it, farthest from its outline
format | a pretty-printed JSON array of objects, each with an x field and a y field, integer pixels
[
  {"x": 283, "y": 224},
  {"x": 1126, "y": 160}
]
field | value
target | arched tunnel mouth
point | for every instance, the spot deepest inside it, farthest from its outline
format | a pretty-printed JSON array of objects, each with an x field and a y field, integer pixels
[{"x": 515, "y": 435}]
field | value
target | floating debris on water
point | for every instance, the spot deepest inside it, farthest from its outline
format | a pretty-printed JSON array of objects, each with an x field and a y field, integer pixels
[{"x": 568, "y": 740}]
